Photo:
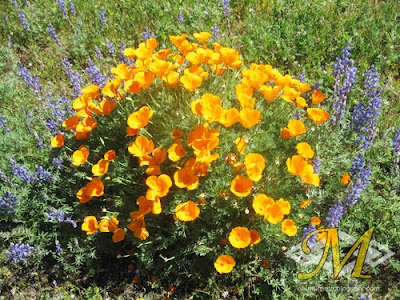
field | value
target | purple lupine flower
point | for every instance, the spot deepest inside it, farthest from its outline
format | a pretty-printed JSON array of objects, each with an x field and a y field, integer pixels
[
  {"x": 7, "y": 203},
  {"x": 95, "y": 75},
  {"x": 110, "y": 47},
  {"x": 31, "y": 81},
  {"x": 345, "y": 80},
  {"x": 19, "y": 171},
  {"x": 226, "y": 8},
  {"x": 396, "y": 143},
  {"x": 297, "y": 115},
  {"x": 366, "y": 297},
  {"x": 41, "y": 144},
  {"x": 62, "y": 7},
  {"x": 360, "y": 173},
  {"x": 59, "y": 250},
  {"x": 98, "y": 52},
  {"x": 19, "y": 253},
  {"x": 53, "y": 34},
  {"x": 147, "y": 34},
  {"x": 23, "y": 20},
  {"x": 57, "y": 162},
  {"x": 60, "y": 216},
  {"x": 3, "y": 124},
  {"x": 74, "y": 78},
  {"x": 214, "y": 32},
  {"x": 60, "y": 110},
  {"x": 365, "y": 114},
  {"x": 316, "y": 164},
  {"x": 181, "y": 18},
  {"x": 14, "y": 3},
  {"x": 307, "y": 230},
  {"x": 335, "y": 214},
  {"x": 102, "y": 17},
  {"x": 72, "y": 8},
  {"x": 41, "y": 175}
]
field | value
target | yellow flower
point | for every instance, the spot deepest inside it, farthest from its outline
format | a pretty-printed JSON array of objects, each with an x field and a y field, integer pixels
[
  {"x": 224, "y": 264},
  {"x": 240, "y": 237},
  {"x": 90, "y": 225},
  {"x": 241, "y": 186},
  {"x": 289, "y": 227},
  {"x": 187, "y": 211}
]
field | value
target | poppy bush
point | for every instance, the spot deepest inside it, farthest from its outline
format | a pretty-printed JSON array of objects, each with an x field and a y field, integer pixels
[{"x": 237, "y": 163}]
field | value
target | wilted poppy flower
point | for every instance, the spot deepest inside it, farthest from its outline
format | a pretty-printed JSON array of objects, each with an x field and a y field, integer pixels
[
  {"x": 304, "y": 149},
  {"x": 240, "y": 237},
  {"x": 345, "y": 179},
  {"x": 241, "y": 186},
  {"x": 57, "y": 141},
  {"x": 249, "y": 117},
  {"x": 100, "y": 168},
  {"x": 261, "y": 204},
  {"x": 224, "y": 264},
  {"x": 140, "y": 118},
  {"x": 255, "y": 237},
  {"x": 110, "y": 155},
  {"x": 255, "y": 165},
  {"x": 80, "y": 156},
  {"x": 317, "y": 97},
  {"x": 318, "y": 115},
  {"x": 305, "y": 203},
  {"x": 141, "y": 146},
  {"x": 119, "y": 235},
  {"x": 187, "y": 211},
  {"x": 158, "y": 186},
  {"x": 90, "y": 225},
  {"x": 289, "y": 227}
]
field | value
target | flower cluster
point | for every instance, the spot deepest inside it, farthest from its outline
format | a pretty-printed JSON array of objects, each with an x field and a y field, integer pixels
[
  {"x": 191, "y": 154},
  {"x": 7, "y": 203},
  {"x": 31, "y": 81},
  {"x": 3, "y": 124},
  {"x": 53, "y": 34},
  {"x": 23, "y": 20},
  {"x": 19, "y": 253},
  {"x": 60, "y": 216},
  {"x": 74, "y": 77}
]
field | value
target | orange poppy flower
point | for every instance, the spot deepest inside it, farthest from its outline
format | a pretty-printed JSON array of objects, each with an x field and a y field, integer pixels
[
  {"x": 315, "y": 221},
  {"x": 141, "y": 146},
  {"x": 318, "y": 115},
  {"x": 90, "y": 225},
  {"x": 190, "y": 81},
  {"x": 289, "y": 94},
  {"x": 311, "y": 178},
  {"x": 229, "y": 117},
  {"x": 317, "y": 97},
  {"x": 261, "y": 204},
  {"x": 241, "y": 143},
  {"x": 91, "y": 91},
  {"x": 122, "y": 71},
  {"x": 303, "y": 87},
  {"x": 274, "y": 214},
  {"x": 255, "y": 165},
  {"x": 138, "y": 228},
  {"x": 119, "y": 235},
  {"x": 108, "y": 225},
  {"x": 284, "y": 206},
  {"x": 185, "y": 178},
  {"x": 95, "y": 187},
  {"x": 304, "y": 149},
  {"x": 80, "y": 156},
  {"x": 208, "y": 107},
  {"x": 296, "y": 128},
  {"x": 202, "y": 37},
  {"x": 110, "y": 155},
  {"x": 224, "y": 264},
  {"x": 249, "y": 117},
  {"x": 71, "y": 122},
  {"x": 345, "y": 179},
  {"x": 301, "y": 102},
  {"x": 270, "y": 93},
  {"x": 240, "y": 237},
  {"x": 160, "y": 67},
  {"x": 111, "y": 87},
  {"x": 255, "y": 237},
  {"x": 244, "y": 95},
  {"x": 187, "y": 211},
  {"x": 158, "y": 186},
  {"x": 105, "y": 107},
  {"x": 176, "y": 151},
  {"x": 131, "y": 131},
  {"x": 297, "y": 166},
  {"x": 100, "y": 168},
  {"x": 57, "y": 141},
  {"x": 171, "y": 79},
  {"x": 289, "y": 227},
  {"x": 140, "y": 118},
  {"x": 241, "y": 186}
]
